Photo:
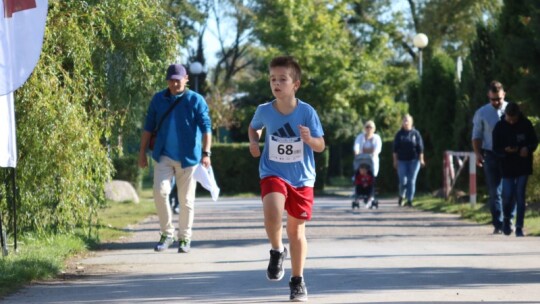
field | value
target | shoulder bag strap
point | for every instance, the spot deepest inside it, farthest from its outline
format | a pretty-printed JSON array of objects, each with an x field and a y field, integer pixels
[{"x": 169, "y": 110}]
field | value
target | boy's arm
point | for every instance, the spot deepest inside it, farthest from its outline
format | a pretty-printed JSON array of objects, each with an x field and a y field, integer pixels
[
  {"x": 315, "y": 143},
  {"x": 254, "y": 137}
]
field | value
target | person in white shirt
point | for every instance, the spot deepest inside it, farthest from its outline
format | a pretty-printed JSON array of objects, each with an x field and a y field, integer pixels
[
  {"x": 370, "y": 143},
  {"x": 484, "y": 120}
]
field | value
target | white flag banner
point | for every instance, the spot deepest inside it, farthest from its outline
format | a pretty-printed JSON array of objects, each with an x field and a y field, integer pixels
[
  {"x": 22, "y": 26},
  {"x": 8, "y": 143}
]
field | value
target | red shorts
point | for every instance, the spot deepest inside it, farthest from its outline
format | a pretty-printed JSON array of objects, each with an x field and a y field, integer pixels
[{"x": 298, "y": 201}]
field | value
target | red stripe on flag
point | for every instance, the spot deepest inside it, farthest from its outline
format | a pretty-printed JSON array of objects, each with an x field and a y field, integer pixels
[{"x": 13, "y": 6}]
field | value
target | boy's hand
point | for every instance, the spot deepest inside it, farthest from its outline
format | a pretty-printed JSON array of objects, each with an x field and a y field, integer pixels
[
  {"x": 510, "y": 149},
  {"x": 305, "y": 134},
  {"x": 524, "y": 152},
  {"x": 254, "y": 149}
]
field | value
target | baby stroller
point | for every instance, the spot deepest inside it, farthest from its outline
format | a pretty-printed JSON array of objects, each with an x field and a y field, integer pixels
[{"x": 364, "y": 183}]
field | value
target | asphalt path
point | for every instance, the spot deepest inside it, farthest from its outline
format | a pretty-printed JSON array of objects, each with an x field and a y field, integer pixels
[{"x": 387, "y": 255}]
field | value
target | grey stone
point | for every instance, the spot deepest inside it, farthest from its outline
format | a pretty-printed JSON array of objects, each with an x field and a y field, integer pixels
[{"x": 121, "y": 191}]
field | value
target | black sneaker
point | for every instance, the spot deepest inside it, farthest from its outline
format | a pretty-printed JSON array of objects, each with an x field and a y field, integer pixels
[
  {"x": 408, "y": 204},
  {"x": 275, "y": 271},
  {"x": 497, "y": 231},
  {"x": 400, "y": 201},
  {"x": 184, "y": 246},
  {"x": 164, "y": 243},
  {"x": 519, "y": 232},
  {"x": 298, "y": 290},
  {"x": 507, "y": 227}
]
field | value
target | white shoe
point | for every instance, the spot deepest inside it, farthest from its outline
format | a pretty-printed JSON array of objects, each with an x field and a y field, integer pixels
[{"x": 369, "y": 203}]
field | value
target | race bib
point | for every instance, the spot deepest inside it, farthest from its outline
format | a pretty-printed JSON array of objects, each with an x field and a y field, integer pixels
[{"x": 286, "y": 150}]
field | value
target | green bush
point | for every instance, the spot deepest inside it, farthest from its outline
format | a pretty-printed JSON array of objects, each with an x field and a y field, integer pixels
[
  {"x": 127, "y": 169},
  {"x": 234, "y": 168},
  {"x": 387, "y": 180},
  {"x": 533, "y": 192},
  {"x": 321, "y": 168}
]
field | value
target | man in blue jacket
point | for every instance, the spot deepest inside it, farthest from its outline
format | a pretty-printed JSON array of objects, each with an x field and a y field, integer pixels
[{"x": 180, "y": 120}]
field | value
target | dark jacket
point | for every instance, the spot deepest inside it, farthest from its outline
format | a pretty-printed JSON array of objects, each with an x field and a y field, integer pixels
[
  {"x": 521, "y": 134},
  {"x": 408, "y": 145}
]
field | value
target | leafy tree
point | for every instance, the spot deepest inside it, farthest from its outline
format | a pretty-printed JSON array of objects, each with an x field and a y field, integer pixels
[
  {"x": 451, "y": 25},
  {"x": 99, "y": 63},
  {"x": 346, "y": 73},
  {"x": 433, "y": 111},
  {"x": 478, "y": 72},
  {"x": 518, "y": 61}
]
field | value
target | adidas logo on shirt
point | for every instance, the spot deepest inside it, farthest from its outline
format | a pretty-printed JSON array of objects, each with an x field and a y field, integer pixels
[{"x": 285, "y": 131}]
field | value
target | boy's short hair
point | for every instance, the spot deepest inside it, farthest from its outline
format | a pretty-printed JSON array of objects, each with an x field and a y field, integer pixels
[
  {"x": 287, "y": 62},
  {"x": 512, "y": 109}
]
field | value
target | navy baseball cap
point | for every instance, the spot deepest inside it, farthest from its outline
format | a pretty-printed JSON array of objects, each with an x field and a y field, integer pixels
[{"x": 176, "y": 72}]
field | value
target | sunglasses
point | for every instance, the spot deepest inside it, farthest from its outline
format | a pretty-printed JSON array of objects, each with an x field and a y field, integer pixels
[
  {"x": 369, "y": 127},
  {"x": 496, "y": 99}
]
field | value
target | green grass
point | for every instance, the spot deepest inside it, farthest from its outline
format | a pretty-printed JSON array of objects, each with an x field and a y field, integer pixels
[
  {"x": 116, "y": 218},
  {"x": 478, "y": 213},
  {"x": 37, "y": 258},
  {"x": 45, "y": 257}
]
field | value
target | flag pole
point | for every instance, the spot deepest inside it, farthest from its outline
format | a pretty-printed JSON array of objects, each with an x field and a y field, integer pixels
[
  {"x": 14, "y": 206},
  {"x": 2, "y": 240}
]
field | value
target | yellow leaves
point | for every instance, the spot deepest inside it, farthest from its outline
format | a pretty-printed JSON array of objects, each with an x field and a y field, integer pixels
[{"x": 525, "y": 20}]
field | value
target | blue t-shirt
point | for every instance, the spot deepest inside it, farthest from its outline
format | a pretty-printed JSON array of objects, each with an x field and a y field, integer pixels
[
  {"x": 284, "y": 154},
  {"x": 172, "y": 148}
]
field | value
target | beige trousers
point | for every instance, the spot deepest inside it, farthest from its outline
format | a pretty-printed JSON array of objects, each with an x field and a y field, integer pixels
[{"x": 186, "y": 185}]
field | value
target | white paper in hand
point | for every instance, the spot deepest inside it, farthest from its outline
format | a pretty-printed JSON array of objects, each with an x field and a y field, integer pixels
[{"x": 205, "y": 177}]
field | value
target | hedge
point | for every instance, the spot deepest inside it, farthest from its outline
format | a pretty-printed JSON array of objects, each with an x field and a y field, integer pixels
[{"x": 235, "y": 170}]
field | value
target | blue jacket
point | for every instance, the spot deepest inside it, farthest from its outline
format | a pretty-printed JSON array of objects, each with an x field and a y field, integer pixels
[{"x": 192, "y": 120}]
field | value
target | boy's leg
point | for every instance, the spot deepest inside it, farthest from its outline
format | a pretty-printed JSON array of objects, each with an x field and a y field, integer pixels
[
  {"x": 273, "y": 206},
  {"x": 296, "y": 232},
  {"x": 299, "y": 206}
]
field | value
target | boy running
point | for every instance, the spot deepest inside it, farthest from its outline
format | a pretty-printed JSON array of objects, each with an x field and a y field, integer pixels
[{"x": 286, "y": 169}]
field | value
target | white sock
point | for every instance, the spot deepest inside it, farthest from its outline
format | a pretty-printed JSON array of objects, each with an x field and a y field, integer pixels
[{"x": 280, "y": 249}]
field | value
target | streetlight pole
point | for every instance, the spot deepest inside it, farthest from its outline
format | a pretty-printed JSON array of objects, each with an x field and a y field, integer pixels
[
  {"x": 420, "y": 41},
  {"x": 196, "y": 68}
]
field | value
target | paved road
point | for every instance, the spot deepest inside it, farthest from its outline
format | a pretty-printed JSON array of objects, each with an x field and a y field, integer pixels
[{"x": 389, "y": 255}]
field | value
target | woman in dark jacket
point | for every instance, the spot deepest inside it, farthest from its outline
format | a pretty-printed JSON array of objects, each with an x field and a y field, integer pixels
[
  {"x": 408, "y": 157},
  {"x": 515, "y": 141}
]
